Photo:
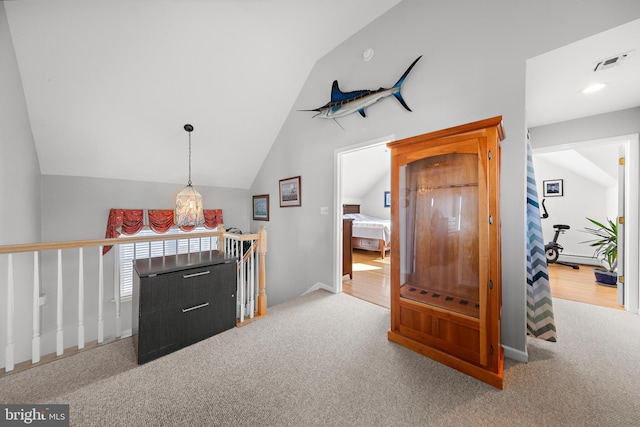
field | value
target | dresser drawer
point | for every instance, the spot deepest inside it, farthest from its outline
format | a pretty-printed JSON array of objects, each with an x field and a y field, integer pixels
[
  {"x": 360, "y": 242},
  {"x": 197, "y": 286}
]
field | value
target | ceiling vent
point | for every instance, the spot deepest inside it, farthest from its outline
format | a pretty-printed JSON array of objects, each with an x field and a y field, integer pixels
[{"x": 610, "y": 62}]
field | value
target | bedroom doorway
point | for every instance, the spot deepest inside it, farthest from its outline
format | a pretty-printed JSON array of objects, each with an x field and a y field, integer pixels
[{"x": 361, "y": 172}]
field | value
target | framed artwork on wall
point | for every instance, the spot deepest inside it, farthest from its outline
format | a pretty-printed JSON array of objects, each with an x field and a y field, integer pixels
[
  {"x": 387, "y": 199},
  {"x": 261, "y": 207},
  {"x": 290, "y": 192},
  {"x": 552, "y": 188}
]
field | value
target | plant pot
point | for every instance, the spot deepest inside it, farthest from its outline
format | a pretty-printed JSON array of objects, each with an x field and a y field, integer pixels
[{"x": 605, "y": 278}]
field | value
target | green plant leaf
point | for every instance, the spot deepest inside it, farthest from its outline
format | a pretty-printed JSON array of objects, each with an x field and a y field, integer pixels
[{"x": 606, "y": 242}]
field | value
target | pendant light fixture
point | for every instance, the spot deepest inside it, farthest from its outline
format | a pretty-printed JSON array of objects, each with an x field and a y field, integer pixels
[{"x": 189, "y": 201}]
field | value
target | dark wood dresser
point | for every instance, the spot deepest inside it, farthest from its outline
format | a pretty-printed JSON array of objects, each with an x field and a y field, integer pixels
[
  {"x": 180, "y": 300},
  {"x": 347, "y": 247}
]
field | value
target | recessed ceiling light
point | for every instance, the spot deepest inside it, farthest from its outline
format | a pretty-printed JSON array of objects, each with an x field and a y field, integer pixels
[{"x": 593, "y": 87}]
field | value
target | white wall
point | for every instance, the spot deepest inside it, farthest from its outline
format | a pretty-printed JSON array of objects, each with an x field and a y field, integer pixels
[
  {"x": 473, "y": 68},
  {"x": 19, "y": 181},
  {"x": 624, "y": 122},
  {"x": 582, "y": 198},
  {"x": 76, "y": 208},
  {"x": 373, "y": 200}
]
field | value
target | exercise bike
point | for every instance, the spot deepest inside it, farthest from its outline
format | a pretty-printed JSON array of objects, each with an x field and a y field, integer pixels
[{"x": 553, "y": 248}]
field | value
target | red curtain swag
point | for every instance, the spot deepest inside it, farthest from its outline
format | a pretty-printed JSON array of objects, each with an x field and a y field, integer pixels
[{"x": 131, "y": 221}]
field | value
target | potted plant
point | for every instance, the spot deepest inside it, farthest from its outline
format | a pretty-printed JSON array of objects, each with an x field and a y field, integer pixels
[{"x": 606, "y": 248}]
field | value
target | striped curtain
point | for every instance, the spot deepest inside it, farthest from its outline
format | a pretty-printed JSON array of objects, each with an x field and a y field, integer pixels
[{"x": 540, "y": 322}]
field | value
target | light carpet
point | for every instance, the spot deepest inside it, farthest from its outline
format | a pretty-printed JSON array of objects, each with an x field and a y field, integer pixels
[{"x": 324, "y": 360}]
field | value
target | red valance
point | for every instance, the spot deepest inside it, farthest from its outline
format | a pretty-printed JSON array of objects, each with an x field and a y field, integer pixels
[
  {"x": 212, "y": 218},
  {"x": 160, "y": 220},
  {"x": 131, "y": 221}
]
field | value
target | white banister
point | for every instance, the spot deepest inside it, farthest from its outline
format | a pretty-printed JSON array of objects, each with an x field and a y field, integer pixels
[
  {"x": 9, "y": 353},
  {"x": 47, "y": 270},
  {"x": 35, "y": 340},
  {"x": 59, "y": 313},
  {"x": 100, "y": 295},
  {"x": 251, "y": 298},
  {"x": 80, "y": 299}
]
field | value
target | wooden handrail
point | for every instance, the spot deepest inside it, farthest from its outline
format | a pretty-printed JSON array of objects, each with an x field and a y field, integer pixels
[{"x": 70, "y": 244}]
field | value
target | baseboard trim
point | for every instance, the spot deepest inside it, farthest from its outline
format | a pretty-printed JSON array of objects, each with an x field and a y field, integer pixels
[
  {"x": 320, "y": 285},
  {"x": 578, "y": 259},
  {"x": 517, "y": 355}
]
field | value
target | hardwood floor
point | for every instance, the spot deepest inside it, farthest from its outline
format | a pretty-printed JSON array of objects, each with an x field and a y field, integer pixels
[
  {"x": 371, "y": 282},
  {"x": 580, "y": 285},
  {"x": 370, "y": 278}
]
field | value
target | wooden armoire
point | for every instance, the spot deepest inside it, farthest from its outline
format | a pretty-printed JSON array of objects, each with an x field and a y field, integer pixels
[{"x": 445, "y": 261}]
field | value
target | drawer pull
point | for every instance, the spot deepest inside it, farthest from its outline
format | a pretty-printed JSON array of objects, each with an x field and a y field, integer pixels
[
  {"x": 195, "y": 307},
  {"x": 202, "y": 273}
]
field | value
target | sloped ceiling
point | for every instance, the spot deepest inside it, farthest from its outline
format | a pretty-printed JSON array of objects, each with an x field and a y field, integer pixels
[
  {"x": 555, "y": 79},
  {"x": 109, "y": 85},
  {"x": 595, "y": 164},
  {"x": 362, "y": 169}
]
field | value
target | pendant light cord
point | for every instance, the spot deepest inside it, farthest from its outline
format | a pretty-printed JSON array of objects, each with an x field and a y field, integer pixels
[{"x": 189, "y": 159}]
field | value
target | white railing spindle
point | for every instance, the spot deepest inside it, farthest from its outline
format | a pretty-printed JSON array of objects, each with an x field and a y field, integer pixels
[
  {"x": 241, "y": 285},
  {"x": 9, "y": 352},
  {"x": 35, "y": 340},
  {"x": 59, "y": 313},
  {"x": 116, "y": 296},
  {"x": 251, "y": 276},
  {"x": 80, "y": 299},
  {"x": 100, "y": 295}
]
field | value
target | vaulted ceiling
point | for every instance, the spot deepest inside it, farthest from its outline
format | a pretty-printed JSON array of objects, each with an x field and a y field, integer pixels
[{"x": 109, "y": 85}]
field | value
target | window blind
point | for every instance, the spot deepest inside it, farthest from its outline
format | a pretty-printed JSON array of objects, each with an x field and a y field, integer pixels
[{"x": 129, "y": 252}]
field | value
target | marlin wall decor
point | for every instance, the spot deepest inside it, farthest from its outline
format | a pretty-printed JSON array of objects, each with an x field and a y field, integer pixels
[{"x": 345, "y": 103}]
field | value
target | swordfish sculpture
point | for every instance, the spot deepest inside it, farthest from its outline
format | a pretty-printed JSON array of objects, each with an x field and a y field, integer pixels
[{"x": 345, "y": 103}]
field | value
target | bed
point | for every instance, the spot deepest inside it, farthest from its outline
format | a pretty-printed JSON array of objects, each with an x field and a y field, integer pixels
[{"x": 368, "y": 233}]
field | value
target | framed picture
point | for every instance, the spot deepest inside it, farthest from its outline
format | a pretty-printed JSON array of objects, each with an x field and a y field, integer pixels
[
  {"x": 290, "y": 192},
  {"x": 261, "y": 207},
  {"x": 552, "y": 188},
  {"x": 387, "y": 199}
]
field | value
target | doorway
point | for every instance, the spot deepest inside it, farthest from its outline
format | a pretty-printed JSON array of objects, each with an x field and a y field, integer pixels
[
  {"x": 570, "y": 212},
  {"x": 371, "y": 169}
]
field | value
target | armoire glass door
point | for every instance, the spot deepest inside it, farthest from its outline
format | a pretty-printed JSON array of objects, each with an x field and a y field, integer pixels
[{"x": 439, "y": 224}]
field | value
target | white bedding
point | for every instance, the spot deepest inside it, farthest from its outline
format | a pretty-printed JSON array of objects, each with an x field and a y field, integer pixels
[{"x": 369, "y": 227}]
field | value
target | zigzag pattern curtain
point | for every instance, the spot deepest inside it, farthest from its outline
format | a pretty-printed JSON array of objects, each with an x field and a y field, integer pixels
[{"x": 540, "y": 320}]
